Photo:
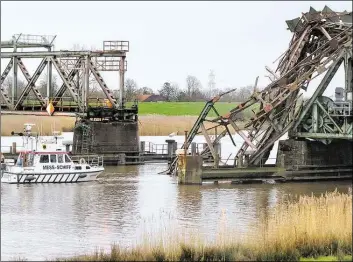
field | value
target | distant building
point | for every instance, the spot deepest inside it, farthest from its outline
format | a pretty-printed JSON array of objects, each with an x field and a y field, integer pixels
[{"x": 150, "y": 98}]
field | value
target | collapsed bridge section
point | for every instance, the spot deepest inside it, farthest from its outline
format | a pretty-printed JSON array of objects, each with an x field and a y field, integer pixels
[{"x": 321, "y": 43}]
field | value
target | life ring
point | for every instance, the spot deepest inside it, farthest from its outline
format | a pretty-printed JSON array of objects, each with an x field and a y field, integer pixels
[{"x": 82, "y": 161}]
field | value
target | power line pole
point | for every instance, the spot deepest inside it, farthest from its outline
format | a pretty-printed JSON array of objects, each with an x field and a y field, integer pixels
[{"x": 211, "y": 82}]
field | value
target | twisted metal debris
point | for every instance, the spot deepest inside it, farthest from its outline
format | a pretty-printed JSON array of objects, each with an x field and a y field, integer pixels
[{"x": 320, "y": 42}]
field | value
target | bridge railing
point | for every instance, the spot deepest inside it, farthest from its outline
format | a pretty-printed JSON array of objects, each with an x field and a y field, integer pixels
[
  {"x": 264, "y": 161},
  {"x": 92, "y": 160},
  {"x": 156, "y": 148},
  {"x": 151, "y": 147},
  {"x": 341, "y": 108},
  {"x": 65, "y": 102}
]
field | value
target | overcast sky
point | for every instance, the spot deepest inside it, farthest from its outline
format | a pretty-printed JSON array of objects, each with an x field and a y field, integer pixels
[{"x": 170, "y": 40}]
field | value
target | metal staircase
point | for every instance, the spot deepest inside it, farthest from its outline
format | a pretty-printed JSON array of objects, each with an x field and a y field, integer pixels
[{"x": 86, "y": 139}]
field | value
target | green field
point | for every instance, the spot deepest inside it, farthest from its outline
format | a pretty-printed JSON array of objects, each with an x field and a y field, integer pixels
[
  {"x": 184, "y": 108},
  {"x": 170, "y": 108}
]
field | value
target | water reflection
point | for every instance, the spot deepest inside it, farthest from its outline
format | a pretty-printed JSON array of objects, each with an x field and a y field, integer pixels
[
  {"x": 54, "y": 220},
  {"x": 189, "y": 205}
]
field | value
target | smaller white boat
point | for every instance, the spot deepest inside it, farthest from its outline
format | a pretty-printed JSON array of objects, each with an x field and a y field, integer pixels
[{"x": 51, "y": 167}]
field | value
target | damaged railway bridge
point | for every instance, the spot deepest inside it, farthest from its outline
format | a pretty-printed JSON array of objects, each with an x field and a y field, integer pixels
[{"x": 319, "y": 128}]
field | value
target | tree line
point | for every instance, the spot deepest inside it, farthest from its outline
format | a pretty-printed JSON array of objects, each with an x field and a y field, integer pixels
[
  {"x": 192, "y": 92},
  {"x": 170, "y": 91}
]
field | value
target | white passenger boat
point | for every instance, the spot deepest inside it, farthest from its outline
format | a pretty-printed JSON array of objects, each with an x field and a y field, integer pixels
[
  {"x": 51, "y": 167},
  {"x": 49, "y": 164}
]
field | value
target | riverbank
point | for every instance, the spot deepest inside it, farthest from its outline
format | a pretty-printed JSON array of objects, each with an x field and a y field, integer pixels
[
  {"x": 149, "y": 125},
  {"x": 297, "y": 229}
]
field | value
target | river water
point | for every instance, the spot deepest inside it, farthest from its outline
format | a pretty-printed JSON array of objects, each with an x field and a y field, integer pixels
[{"x": 45, "y": 221}]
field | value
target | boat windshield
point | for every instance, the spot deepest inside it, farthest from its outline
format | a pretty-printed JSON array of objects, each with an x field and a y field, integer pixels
[{"x": 54, "y": 158}]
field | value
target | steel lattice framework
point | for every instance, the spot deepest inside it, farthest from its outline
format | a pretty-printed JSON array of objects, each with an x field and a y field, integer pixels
[
  {"x": 321, "y": 42},
  {"x": 73, "y": 67}
]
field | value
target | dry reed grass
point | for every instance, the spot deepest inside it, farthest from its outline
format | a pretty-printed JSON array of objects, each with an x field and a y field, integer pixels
[
  {"x": 304, "y": 227},
  {"x": 158, "y": 125},
  {"x": 43, "y": 124},
  {"x": 149, "y": 125}
]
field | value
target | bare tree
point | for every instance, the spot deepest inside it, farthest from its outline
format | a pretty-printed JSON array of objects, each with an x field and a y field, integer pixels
[
  {"x": 239, "y": 95},
  {"x": 42, "y": 87},
  {"x": 8, "y": 83},
  {"x": 193, "y": 88},
  {"x": 244, "y": 93},
  {"x": 145, "y": 91},
  {"x": 169, "y": 91},
  {"x": 130, "y": 89},
  {"x": 176, "y": 91},
  {"x": 182, "y": 96}
]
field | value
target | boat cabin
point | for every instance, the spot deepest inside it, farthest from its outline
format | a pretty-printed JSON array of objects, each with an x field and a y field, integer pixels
[{"x": 45, "y": 160}]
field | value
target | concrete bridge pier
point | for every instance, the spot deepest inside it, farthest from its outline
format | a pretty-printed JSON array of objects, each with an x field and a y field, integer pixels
[
  {"x": 299, "y": 153},
  {"x": 110, "y": 139},
  {"x": 171, "y": 147},
  {"x": 189, "y": 169}
]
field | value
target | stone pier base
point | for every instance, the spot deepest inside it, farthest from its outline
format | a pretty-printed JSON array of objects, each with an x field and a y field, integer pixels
[
  {"x": 189, "y": 169},
  {"x": 108, "y": 138},
  {"x": 293, "y": 152}
]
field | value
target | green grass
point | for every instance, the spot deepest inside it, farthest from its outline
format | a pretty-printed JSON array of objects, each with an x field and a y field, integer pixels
[
  {"x": 181, "y": 108},
  {"x": 172, "y": 108},
  {"x": 327, "y": 258},
  {"x": 184, "y": 108}
]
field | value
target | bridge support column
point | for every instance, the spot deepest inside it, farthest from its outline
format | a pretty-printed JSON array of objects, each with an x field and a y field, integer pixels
[
  {"x": 108, "y": 139},
  {"x": 14, "y": 81},
  {"x": 171, "y": 147},
  {"x": 189, "y": 169},
  {"x": 142, "y": 147},
  {"x": 296, "y": 153}
]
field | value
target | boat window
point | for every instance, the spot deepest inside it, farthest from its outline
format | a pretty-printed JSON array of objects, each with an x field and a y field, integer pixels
[
  {"x": 78, "y": 167},
  {"x": 88, "y": 167},
  {"x": 60, "y": 159},
  {"x": 44, "y": 159},
  {"x": 67, "y": 159},
  {"x": 52, "y": 158}
]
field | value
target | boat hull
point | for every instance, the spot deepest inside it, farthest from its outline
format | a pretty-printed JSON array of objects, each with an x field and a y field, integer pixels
[{"x": 11, "y": 178}]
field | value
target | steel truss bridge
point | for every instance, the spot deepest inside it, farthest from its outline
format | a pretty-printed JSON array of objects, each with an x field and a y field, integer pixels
[
  {"x": 73, "y": 67},
  {"x": 321, "y": 42}
]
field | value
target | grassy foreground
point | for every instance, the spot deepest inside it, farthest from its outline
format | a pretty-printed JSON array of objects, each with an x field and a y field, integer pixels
[{"x": 307, "y": 228}]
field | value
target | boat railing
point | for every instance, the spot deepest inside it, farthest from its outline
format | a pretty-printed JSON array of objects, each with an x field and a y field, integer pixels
[{"x": 92, "y": 160}]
